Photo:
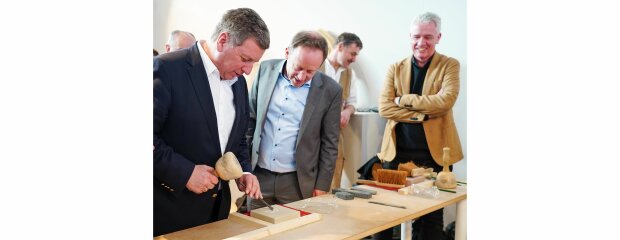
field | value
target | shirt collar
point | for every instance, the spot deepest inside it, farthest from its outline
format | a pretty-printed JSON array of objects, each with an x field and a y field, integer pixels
[
  {"x": 210, "y": 66},
  {"x": 330, "y": 68},
  {"x": 425, "y": 66}
]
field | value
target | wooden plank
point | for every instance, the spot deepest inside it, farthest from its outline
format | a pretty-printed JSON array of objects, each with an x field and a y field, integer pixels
[
  {"x": 277, "y": 215},
  {"x": 277, "y": 228},
  {"x": 216, "y": 230},
  {"x": 230, "y": 229},
  {"x": 352, "y": 219},
  {"x": 243, "y": 217},
  {"x": 356, "y": 219}
]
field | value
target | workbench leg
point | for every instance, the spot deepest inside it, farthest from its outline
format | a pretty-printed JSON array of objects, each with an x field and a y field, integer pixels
[
  {"x": 405, "y": 230},
  {"x": 460, "y": 230}
]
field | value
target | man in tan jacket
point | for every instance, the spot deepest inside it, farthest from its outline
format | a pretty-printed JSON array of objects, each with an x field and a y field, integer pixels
[{"x": 417, "y": 99}]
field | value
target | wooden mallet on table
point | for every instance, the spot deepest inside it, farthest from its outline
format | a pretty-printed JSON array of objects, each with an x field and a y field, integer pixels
[
  {"x": 228, "y": 168},
  {"x": 446, "y": 179}
]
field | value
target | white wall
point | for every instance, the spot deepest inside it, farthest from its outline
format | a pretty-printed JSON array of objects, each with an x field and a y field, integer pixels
[{"x": 383, "y": 27}]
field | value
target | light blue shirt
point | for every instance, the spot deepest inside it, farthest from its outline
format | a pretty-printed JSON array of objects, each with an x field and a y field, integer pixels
[{"x": 279, "y": 136}]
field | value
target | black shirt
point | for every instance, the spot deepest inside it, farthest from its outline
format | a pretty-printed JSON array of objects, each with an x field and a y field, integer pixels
[{"x": 410, "y": 139}]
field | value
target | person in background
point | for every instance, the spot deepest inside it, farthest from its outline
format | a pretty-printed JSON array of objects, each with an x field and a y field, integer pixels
[
  {"x": 294, "y": 123},
  {"x": 337, "y": 66},
  {"x": 200, "y": 111},
  {"x": 417, "y": 99},
  {"x": 179, "y": 39}
]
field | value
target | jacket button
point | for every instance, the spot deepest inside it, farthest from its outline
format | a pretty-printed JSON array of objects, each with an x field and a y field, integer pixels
[{"x": 214, "y": 195}]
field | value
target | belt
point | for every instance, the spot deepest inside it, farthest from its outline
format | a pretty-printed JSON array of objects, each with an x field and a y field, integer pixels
[{"x": 276, "y": 173}]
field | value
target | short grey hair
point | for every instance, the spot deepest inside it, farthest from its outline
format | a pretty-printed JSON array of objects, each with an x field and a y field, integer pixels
[
  {"x": 173, "y": 40},
  {"x": 241, "y": 24},
  {"x": 428, "y": 17}
]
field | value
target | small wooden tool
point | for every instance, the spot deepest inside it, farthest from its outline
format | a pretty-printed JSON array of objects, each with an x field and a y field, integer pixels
[
  {"x": 280, "y": 214},
  {"x": 446, "y": 179}
]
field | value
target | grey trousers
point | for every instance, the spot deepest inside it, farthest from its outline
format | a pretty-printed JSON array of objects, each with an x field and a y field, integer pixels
[{"x": 277, "y": 188}]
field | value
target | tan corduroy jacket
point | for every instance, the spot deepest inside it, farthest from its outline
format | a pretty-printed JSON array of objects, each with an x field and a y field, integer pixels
[
  {"x": 439, "y": 93},
  {"x": 345, "y": 80}
]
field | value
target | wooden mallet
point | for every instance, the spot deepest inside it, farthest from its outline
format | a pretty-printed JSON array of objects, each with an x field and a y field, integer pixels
[{"x": 228, "y": 168}]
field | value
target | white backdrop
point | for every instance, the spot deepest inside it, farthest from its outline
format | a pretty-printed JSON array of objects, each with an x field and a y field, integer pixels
[{"x": 383, "y": 27}]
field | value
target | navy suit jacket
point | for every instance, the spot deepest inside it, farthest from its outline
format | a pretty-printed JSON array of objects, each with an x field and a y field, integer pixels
[{"x": 185, "y": 134}]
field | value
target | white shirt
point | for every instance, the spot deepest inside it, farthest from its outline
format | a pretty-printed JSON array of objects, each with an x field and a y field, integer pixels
[
  {"x": 223, "y": 98},
  {"x": 335, "y": 74}
]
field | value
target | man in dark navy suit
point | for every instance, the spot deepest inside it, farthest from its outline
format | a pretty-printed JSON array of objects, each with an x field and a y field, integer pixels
[{"x": 200, "y": 111}]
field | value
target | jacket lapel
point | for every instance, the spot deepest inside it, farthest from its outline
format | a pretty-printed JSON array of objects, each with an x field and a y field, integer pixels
[
  {"x": 431, "y": 74},
  {"x": 405, "y": 76},
  {"x": 200, "y": 82},
  {"x": 269, "y": 78},
  {"x": 314, "y": 97},
  {"x": 237, "y": 98}
]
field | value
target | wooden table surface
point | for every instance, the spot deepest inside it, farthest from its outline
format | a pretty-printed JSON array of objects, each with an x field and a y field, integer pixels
[{"x": 351, "y": 219}]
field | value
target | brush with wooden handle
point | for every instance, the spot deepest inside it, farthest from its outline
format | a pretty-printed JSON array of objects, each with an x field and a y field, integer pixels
[
  {"x": 388, "y": 178},
  {"x": 407, "y": 167}
]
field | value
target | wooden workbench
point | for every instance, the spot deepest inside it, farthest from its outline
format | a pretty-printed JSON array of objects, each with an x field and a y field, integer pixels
[{"x": 352, "y": 219}]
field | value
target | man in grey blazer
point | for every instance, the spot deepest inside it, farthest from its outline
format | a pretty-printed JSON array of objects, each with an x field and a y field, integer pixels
[{"x": 294, "y": 123}]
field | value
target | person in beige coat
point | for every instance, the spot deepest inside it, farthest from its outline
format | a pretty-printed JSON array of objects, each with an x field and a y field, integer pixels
[
  {"x": 417, "y": 99},
  {"x": 337, "y": 66}
]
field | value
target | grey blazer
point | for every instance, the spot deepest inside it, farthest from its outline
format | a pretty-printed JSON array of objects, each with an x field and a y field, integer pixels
[{"x": 317, "y": 144}]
